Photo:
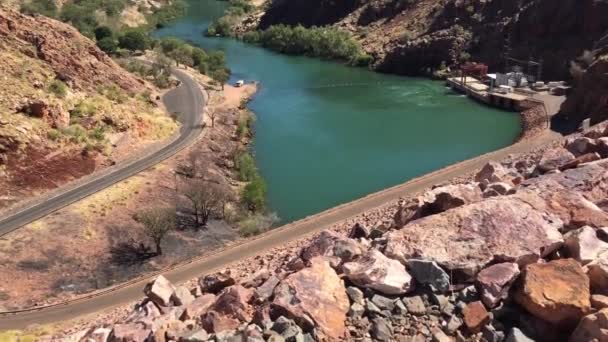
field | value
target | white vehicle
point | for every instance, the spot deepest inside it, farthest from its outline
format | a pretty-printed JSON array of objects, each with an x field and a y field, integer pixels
[{"x": 239, "y": 83}]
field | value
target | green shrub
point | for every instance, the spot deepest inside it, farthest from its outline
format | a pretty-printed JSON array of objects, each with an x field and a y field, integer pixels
[
  {"x": 254, "y": 194},
  {"x": 134, "y": 40},
  {"x": 54, "y": 134},
  {"x": 45, "y": 7},
  {"x": 58, "y": 88},
  {"x": 406, "y": 36},
  {"x": 98, "y": 134},
  {"x": 108, "y": 45},
  {"x": 81, "y": 110},
  {"x": 102, "y": 32},
  {"x": 76, "y": 133},
  {"x": 246, "y": 167},
  {"x": 115, "y": 93},
  {"x": 323, "y": 42},
  {"x": 254, "y": 224},
  {"x": 362, "y": 60}
]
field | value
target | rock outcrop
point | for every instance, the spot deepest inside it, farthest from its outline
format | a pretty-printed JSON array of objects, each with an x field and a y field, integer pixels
[{"x": 467, "y": 238}]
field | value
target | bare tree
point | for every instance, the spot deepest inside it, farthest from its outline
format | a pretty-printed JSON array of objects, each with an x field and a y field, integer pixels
[
  {"x": 212, "y": 116},
  {"x": 206, "y": 199},
  {"x": 157, "y": 223}
]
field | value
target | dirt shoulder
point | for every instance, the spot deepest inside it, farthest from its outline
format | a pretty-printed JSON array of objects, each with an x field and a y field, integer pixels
[{"x": 81, "y": 248}]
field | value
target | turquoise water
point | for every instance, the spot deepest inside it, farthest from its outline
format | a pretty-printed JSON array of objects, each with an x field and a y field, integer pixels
[{"x": 327, "y": 133}]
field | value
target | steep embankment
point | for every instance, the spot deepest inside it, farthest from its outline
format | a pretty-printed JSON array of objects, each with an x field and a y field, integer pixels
[
  {"x": 66, "y": 108},
  {"x": 406, "y": 37},
  {"x": 589, "y": 99},
  {"x": 519, "y": 252}
]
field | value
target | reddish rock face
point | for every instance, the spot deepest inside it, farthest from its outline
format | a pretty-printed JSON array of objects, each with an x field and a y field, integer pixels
[
  {"x": 493, "y": 172},
  {"x": 314, "y": 297},
  {"x": 475, "y": 316},
  {"x": 375, "y": 271},
  {"x": 465, "y": 239},
  {"x": 75, "y": 59},
  {"x": 495, "y": 281},
  {"x": 592, "y": 328},
  {"x": 216, "y": 322},
  {"x": 557, "y": 292}
]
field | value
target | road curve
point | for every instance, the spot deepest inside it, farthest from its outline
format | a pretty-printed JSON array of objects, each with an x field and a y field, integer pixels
[
  {"x": 187, "y": 99},
  {"x": 132, "y": 291}
]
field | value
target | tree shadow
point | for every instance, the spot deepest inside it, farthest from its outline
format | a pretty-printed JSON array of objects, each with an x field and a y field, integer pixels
[{"x": 130, "y": 253}]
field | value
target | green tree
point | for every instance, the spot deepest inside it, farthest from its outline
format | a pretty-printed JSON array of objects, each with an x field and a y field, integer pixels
[
  {"x": 254, "y": 194},
  {"x": 221, "y": 76},
  {"x": 102, "y": 32},
  {"x": 157, "y": 223},
  {"x": 169, "y": 44},
  {"x": 134, "y": 40},
  {"x": 108, "y": 45}
]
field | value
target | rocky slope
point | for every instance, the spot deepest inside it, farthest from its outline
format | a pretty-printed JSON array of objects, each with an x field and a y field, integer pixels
[
  {"x": 590, "y": 96},
  {"x": 63, "y": 104},
  {"x": 406, "y": 37},
  {"x": 519, "y": 253}
]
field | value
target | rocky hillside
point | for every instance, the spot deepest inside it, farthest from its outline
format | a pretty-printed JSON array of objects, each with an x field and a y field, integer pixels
[
  {"x": 406, "y": 37},
  {"x": 520, "y": 253},
  {"x": 63, "y": 104},
  {"x": 590, "y": 96}
]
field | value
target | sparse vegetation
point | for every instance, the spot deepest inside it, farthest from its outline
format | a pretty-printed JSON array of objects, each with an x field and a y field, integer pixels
[
  {"x": 257, "y": 223},
  {"x": 157, "y": 223},
  {"x": 58, "y": 88},
  {"x": 206, "y": 200}
]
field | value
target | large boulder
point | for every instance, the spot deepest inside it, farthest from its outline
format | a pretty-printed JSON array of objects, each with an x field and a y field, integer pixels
[
  {"x": 493, "y": 172},
  {"x": 214, "y": 283},
  {"x": 375, "y": 271},
  {"x": 475, "y": 316},
  {"x": 331, "y": 244},
  {"x": 592, "y": 328},
  {"x": 129, "y": 333},
  {"x": 552, "y": 159},
  {"x": 570, "y": 206},
  {"x": 467, "y": 238},
  {"x": 315, "y": 298},
  {"x": 198, "y": 307},
  {"x": 160, "y": 291},
  {"x": 235, "y": 301},
  {"x": 584, "y": 245},
  {"x": 597, "y": 270},
  {"x": 495, "y": 281},
  {"x": 581, "y": 145},
  {"x": 451, "y": 196},
  {"x": 429, "y": 273},
  {"x": 557, "y": 291}
]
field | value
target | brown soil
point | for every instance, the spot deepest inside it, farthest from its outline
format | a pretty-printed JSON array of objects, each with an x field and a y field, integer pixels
[{"x": 86, "y": 246}]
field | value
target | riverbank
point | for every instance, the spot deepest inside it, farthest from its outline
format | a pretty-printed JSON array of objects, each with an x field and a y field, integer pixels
[{"x": 90, "y": 252}]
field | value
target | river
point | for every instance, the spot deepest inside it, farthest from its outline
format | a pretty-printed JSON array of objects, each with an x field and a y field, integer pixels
[{"x": 327, "y": 133}]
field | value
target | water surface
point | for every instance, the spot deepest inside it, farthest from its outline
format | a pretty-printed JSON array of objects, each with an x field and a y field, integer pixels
[{"x": 327, "y": 133}]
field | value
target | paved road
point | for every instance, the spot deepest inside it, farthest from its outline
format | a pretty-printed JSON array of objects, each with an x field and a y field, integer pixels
[
  {"x": 187, "y": 99},
  {"x": 133, "y": 291}
]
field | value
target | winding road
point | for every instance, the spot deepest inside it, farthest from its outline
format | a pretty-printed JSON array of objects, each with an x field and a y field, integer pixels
[{"x": 187, "y": 99}]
